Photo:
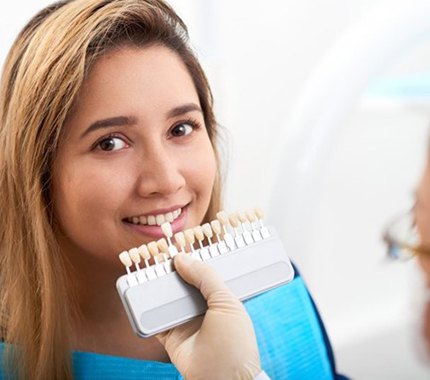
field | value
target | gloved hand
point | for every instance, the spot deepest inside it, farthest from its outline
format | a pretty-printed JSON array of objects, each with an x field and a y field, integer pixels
[{"x": 219, "y": 345}]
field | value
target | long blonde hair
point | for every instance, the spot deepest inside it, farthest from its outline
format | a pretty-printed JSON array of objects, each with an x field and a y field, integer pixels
[{"x": 42, "y": 77}]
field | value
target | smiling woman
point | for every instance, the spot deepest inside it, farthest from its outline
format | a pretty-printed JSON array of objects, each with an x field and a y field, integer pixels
[
  {"x": 107, "y": 131},
  {"x": 119, "y": 136}
]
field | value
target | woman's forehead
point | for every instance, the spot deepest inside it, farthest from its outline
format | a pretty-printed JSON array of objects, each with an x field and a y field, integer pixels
[{"x": 135, "y": 81}]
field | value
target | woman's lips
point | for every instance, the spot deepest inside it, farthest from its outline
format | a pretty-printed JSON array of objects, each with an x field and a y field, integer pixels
[{"x": 155, "y": 231}]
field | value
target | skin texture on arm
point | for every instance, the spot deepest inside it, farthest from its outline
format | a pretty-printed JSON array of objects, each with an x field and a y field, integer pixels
[{"x": 220, "y": 345}]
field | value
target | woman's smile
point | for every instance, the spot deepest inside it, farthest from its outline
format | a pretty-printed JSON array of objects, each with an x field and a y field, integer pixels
[{"x": 150, "y": 223}]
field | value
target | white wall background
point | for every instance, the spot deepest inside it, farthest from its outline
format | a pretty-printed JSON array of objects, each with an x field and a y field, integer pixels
[{"x": 259, "y": 56}]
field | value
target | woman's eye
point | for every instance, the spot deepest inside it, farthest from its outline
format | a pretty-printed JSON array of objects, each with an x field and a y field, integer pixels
[
  {"x": 182, "y": 129},
  {"x": 111, "y": 143}
]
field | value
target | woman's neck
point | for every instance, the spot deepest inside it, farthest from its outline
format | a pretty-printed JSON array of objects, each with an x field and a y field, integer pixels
[{"x": 101, "y": 324}]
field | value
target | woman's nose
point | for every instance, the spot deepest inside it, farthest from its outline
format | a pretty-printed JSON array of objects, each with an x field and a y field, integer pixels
[{"x": 160, "y": 175}]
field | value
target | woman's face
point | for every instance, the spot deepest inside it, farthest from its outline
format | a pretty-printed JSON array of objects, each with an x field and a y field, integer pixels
[{"x": 135, "y": 153}]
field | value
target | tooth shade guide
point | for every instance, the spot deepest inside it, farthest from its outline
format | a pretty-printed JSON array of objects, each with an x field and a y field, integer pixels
[
  {"x": 157, "y": 257},
  {"x": 216, "y": 227},
  {"x": 204, "y": 252},
  {"x": 127, "y": 262},
  {"x": 245, "y": 232},
  {"x": 180, "y": 240},
  {"x": 162, "y": 258},
  {"x": 207, "y": 230},
  {"x": 242, "y": 217},
  {"x": 263, "y": 230},
  {"x": 168, "y": 265},
  {"x": 135, "y": 257},
  {"x": 167, "y": 229},
  {"x": 244, "y": 221},
  {"x": 223, "y": 219},
  {"x": 255, "y": 230},
  {"x": 162, "y": 245},
  {"x": 251, "y": 216},
  {"x": 196, "y": 255},
  {"x": 190, "y": 238},
  {"x": 248, "y": 271},
  {"x": 222, "y": 247},
  {"x": 150, "y": 272},
  {"x": 240, "y": 242},
  {"x": 173, "y": 251},
  {"x": 164, "y": 249},
  {"x": 141, "y": 276},
  {"x": 259, "y": 213},
  {"x": 228, "y": 238},
  {"x": 214, "y": 250},
  {"x": 160, "y": 270},
  {"x": 198, "y": 233},
  {"x": 234, "y": 220},
  {"x": 144, "y": 254},
  {"x": 140, "y": 273},
  {"x": 252, "y": 219},
  {"x": 153, "y": 248}
]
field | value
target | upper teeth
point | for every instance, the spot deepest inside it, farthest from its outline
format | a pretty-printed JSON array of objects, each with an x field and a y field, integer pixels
[{"x": 159, "y": 219}]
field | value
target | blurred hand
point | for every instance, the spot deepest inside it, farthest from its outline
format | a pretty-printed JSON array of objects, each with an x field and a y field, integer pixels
[{"x": 219, "y": 345}]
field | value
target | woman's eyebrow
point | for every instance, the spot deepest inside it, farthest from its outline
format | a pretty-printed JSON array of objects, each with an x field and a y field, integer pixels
[
  {"x": 177, "y": 111},
  {"x": 127, "y": 120},
  {"x": 110, "y": 122}
]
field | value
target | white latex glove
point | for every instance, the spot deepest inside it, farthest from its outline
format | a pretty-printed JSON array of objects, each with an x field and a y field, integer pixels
[{"x": 219, "y": 345}]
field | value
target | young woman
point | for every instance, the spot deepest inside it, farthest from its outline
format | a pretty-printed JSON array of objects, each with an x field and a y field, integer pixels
[{"x": 106, "y": 126}]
